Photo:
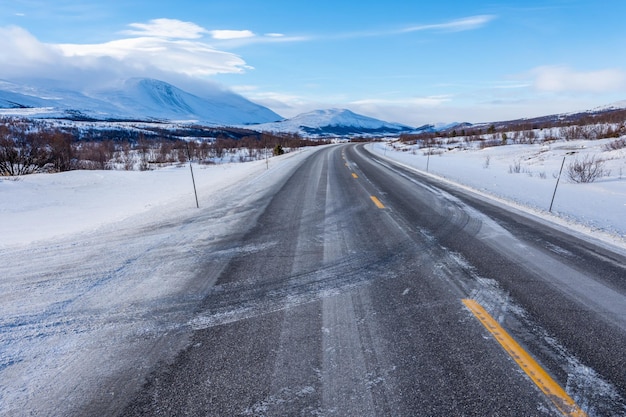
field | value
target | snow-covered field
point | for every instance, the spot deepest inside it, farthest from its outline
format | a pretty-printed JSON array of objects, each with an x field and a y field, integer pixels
[
  {"x": 42, "y": 206},
  {"x": 597, "y": 208}
]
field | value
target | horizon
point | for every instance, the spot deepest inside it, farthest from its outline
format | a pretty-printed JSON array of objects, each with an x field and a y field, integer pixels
[{"x": 405, "y": 63}]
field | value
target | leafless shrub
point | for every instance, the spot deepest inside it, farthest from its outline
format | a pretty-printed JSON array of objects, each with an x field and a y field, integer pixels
[
  {"x": 587, "y": 170},
  {"x": 516, "y": 168},
  {"x": 489, "y": 143},
  {"x": 433, "y": 151},
  {"x": 95, "y": 155},
  {"x": 21, "y": 155},
  {"x": 615, "y": 145}
]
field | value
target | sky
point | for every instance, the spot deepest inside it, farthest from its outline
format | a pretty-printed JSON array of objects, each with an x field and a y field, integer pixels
[{"x": 397, "y": 60}]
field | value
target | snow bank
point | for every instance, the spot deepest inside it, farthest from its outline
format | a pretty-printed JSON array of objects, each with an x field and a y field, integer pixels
[
  {"x": 597, "y": 208},
  {"x": 43, "y": 206}
]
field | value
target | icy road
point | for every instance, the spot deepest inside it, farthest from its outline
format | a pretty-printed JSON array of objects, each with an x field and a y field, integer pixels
[{"x": 340, "y": 284}]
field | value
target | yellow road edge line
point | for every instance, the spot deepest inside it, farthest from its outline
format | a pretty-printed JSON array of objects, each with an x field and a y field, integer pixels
[
  {"x": 354, "y": 175},
  {"x": 539, "y": 376},
  {"x": 377, "y": 202}
]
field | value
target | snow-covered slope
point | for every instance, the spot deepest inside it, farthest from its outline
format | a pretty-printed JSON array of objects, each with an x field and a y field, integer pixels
[
  {"x": 12, "y": 98},
  {"x": 618, "y": 105},
  {"x": 158, "y": 99},
  {"x": 333, "y": 122},
  {"x": 137, "y": 98}
]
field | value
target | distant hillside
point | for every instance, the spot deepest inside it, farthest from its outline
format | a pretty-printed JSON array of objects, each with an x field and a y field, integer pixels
[
  {"x": 612, "y": 113},
  {"x": 334, "y": 122},
  {"x": 136, "y": 99}
]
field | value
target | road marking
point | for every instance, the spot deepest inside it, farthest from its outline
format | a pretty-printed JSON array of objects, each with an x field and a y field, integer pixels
[
  {"x": 539, "y": 376},
  {"x": 377, "y": 202},
  {"x": 354, "y": 175}
]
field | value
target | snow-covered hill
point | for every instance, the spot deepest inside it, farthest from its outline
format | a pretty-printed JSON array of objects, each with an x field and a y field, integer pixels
[
  {"x": 137, "y": 98},
  {"x": 334, "y": 122},
  {"x": 618, "y": 105}
]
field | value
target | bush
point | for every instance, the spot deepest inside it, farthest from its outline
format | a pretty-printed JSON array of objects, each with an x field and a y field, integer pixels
[
  {"x": 516, "y": 168},
  {"x": 278, "y": 150},
  {"x": 587, "y": 170},
  {"x": 615, "y": 145}
]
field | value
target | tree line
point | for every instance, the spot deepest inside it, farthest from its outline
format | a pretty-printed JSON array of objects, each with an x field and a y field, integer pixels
[
  {"x": 590, "y": 126},
  {"x": 28, "y": 146}
]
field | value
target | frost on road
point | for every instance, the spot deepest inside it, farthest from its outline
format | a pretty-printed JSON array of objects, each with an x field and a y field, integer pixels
[{"x": 84, "y": 317}]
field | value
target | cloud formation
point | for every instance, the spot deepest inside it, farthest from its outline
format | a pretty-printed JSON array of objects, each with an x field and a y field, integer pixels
[
  {"x": 141, "y": 55},
  {"x": 458, "y": 25},
  {"x": 161, "y": 48},
  {"x": 559, "y": 79},
  {"x": 167, "y": 28},
  {"x": 429, "y": 101},
  {"x": 231, "y": 34}
]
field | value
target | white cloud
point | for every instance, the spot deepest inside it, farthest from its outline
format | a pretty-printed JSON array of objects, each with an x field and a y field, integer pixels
[
  {"x": 285, "y": 104},
  {"x": 176, "y": 56},
  {"x": 167, "y": 49},
  {"x": 458, "y": 25},
  {"x": 18, "y": 48},
  {"x": 430, "y": 101},
  {"x": 231, "y": 34},
  {"x": 167, "y": 28},
  {"x": 564, "y": 79}
]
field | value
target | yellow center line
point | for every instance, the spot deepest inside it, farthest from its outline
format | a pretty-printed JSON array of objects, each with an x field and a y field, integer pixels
[
  {"x": 377, "y": 202},
  {"x": 538, "y": 375},
  {"x": 354, "y": 175}
]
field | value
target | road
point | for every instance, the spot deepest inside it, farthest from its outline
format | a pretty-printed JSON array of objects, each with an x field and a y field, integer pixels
[{"x": 345, "y": 297}]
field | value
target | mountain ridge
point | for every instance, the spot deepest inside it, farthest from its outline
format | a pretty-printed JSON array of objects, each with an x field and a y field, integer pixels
[
  {"x": 136, "y": 98},
  {"x": 334, "y": 122},
  {"x": 153, "y": 100}
]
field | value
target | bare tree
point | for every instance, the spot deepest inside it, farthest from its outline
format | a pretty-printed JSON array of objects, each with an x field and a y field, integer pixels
[
  {"x": 587, "y": 170},
  {"x": 61, "y": 149},
  {"x": 20, "y": 155}
]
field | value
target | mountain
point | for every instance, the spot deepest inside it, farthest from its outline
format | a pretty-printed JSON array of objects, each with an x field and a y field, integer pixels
[
  {"x": 137, "y": 98},
  {"x": 333, "y": 122}
]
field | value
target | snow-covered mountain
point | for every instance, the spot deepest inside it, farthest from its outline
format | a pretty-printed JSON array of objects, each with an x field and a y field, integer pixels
[
  {"x": 333, "y": 122},
  {"x": 137, "y": 98}
]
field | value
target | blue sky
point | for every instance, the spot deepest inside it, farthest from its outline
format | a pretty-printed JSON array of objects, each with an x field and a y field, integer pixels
[{"x": 410, "y": 62}]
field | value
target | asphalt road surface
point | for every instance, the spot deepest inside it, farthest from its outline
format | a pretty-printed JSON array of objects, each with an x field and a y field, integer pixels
[{"x": 345, "y": 297}]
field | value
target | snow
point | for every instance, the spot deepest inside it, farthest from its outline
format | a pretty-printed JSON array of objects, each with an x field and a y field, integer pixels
[
  {"x": 596, "y": 209},
  {"x": 43, "y": 206}
]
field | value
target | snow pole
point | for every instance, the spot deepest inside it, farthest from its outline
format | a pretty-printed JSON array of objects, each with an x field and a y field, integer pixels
[
  {"x": 558, "y": 179},
  {"x": 193, "y": 181}
]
